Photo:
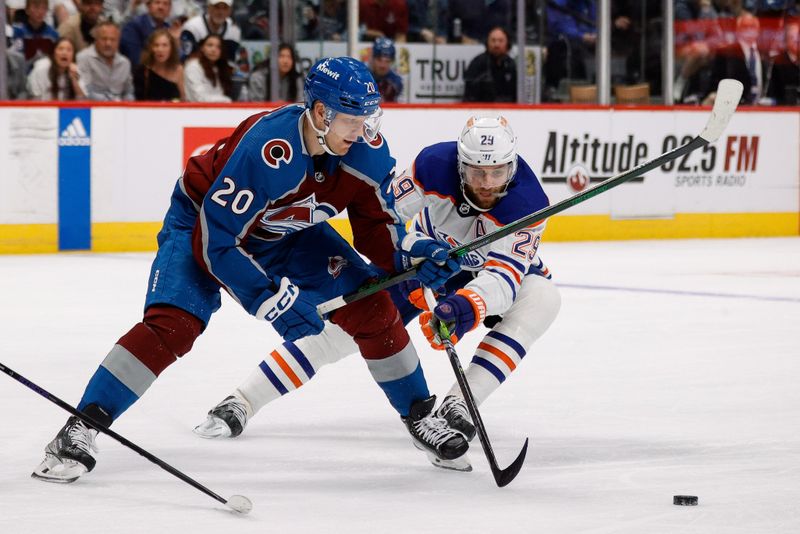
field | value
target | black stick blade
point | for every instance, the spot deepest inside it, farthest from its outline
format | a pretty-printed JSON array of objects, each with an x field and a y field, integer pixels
[{"x": 503, "y": 477}]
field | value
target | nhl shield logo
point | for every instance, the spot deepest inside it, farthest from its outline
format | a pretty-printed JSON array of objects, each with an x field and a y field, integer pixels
[
  {"x": 463, "y": 208},
  {"x": 336, "y": 265}
]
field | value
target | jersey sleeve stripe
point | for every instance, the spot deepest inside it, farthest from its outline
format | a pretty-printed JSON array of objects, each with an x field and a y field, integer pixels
[
  {"x": 501, "y": 265},
  {"x": 429, "y": 230},
  {"x": 502, "y": 275},
  {"x": 507, "y": 259}
]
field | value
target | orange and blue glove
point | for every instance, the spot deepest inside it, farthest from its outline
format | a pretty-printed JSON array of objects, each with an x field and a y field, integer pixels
[{"x": 460, "y": 313}]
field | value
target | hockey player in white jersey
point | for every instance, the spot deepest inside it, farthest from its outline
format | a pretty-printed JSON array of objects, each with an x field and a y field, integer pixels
[{"x": 454, "y": 192}]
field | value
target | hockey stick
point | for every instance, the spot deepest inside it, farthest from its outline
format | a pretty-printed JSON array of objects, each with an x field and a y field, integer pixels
[
  {"x": 238, "y": 503},
  {"x": 501, "y": 476},
  {"x": 728, "y": 94}
]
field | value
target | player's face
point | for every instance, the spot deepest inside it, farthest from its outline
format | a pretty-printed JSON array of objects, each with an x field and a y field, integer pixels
[
  {"x": 381, "y": 65},
  {"x": 484, "y": 185},
  {"x": 161, "y": 49},
  {"x": 344, "y": 130}
]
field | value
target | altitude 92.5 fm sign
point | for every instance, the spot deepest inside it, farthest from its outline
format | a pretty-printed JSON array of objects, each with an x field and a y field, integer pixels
[{"x": 580, "y": 159}]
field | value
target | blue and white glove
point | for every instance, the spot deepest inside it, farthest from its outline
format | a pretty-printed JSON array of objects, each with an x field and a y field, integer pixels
[
  {"x": 290, "y": 313},
  {"x": 436, "y": 268}
]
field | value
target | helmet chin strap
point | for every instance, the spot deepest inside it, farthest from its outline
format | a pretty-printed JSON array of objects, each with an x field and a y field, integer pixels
[{"x": 320, "y": 134}]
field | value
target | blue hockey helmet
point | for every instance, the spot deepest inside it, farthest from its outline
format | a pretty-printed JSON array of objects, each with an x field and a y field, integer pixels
[
  {"x": 383, "y": 47},
  {"x": 344, "y": 85}
]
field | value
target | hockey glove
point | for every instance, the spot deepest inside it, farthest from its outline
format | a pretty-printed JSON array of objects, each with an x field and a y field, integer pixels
[
  {"x": 436, "y": 266},
  {"x": 460, "y": 313},
  {"x": 290, "y": 313},
  {"x": 412, "y": 292}
]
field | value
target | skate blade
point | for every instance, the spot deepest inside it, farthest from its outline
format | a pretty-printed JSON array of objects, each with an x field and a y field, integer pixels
[
  {"x": 213, "y": 427},
  {"x": 53, "y": 469},
  {"x": 461, "y": 463}
]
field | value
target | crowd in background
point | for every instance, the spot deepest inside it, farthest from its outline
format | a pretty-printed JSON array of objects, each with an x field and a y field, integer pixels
[{"x": 189, "y": 50}]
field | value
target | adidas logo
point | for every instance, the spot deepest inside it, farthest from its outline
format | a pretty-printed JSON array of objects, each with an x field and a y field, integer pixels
[{"x": 74, "y": 135}]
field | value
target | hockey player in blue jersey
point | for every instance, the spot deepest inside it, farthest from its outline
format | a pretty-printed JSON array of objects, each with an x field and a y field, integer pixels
[
  {"x": 249, "y": 216},
  {"x": 456, "y": 192}
]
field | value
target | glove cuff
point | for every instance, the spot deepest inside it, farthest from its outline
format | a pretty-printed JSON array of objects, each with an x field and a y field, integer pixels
[{"x": 477, "y": 303}]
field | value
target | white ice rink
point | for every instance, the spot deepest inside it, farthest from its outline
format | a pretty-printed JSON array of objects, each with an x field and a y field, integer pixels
[{"x": 673, "y": 368}]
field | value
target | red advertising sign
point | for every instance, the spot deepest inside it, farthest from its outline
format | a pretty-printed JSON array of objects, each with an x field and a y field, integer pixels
[{"x": 197, "y": 141}]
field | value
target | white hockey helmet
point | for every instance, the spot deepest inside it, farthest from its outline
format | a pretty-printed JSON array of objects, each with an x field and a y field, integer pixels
[{"x": 487, "y": 141}]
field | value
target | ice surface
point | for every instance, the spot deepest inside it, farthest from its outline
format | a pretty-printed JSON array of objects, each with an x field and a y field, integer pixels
[{"x": 673, "y": 368}]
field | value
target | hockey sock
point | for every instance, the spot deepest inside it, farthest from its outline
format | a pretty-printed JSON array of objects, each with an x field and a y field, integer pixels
[
  {"x": 139, "y": 356},
  {"x": 376, "y": 327}
]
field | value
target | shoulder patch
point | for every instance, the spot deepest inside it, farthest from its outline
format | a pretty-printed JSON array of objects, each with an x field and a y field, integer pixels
[
  {"x": 377, "y": 142},
  {"x": 275, "y": 151}
]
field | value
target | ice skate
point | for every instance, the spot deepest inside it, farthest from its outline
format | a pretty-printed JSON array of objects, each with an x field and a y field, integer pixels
[
  {"x": 226, "y": 420},
  {"x": 69, "y": 455},
  {"x": 431, "y": 434},
  {"x": 454, "y": 410}
]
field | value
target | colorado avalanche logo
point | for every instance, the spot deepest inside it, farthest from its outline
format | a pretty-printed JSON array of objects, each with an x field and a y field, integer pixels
[
  {"x": 377, "y": 142},
  {"x": 335, "y": 265},
  {"x": 276, "y": 150}
]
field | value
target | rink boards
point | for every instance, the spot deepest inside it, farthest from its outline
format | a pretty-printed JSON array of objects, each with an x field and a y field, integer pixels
[{"x": 99, "y": 178}]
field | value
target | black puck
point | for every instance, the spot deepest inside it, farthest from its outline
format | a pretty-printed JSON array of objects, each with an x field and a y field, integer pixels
[{"x": 684, "y": 500}]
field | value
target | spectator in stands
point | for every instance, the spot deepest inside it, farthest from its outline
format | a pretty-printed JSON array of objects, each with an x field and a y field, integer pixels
[
  {"x": 492, "y": 75},
  {"x": 290, "y": 88},
  {"x": 159, "y": 76},
  {"x": 784, "y": 81},
  {"x": 384, "y": 18},
  {"x": 328, "y": 22},
  {"x": 390, "y": 84},
  {"x": 207, "y": 75},
  {"x": 56, "y": 77},
  {"x": 138, "y": 29},
  {"x": 471, "y": 20},
  {"x": 15, "y": 71},
  {"x": 62, "y": 10},
  {"x": 572, "y": 33},
  {"x": 697, "y": 35},
  {"x": 741, "y": 61},
  {"x": 34, "y": 38},
  {"x": 78, "y": 27},
  {"x": 105, "y": 74},
  {"x": 425, "y": 25},
  {"x": 216, "y": 21}
]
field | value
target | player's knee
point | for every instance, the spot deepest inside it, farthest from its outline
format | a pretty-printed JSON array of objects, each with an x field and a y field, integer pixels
[
  {"x": 375, "y": 325},
  {"x": 534, "y": 310},
  {"x": 174, "y": 328}
]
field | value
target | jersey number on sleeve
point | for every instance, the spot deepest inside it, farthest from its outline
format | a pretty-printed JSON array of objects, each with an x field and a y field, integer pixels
[
  {"x": 527, "y": 244},
  {"x": 402, "y": 187},
  {"x": 241, "y": 202}
]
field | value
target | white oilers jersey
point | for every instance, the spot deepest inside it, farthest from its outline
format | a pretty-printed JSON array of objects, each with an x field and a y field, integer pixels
[{"x": 429, "y": 194}]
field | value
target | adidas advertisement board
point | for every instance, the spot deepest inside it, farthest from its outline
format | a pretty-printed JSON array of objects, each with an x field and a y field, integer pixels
[{"x": 74, "y": 179}]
